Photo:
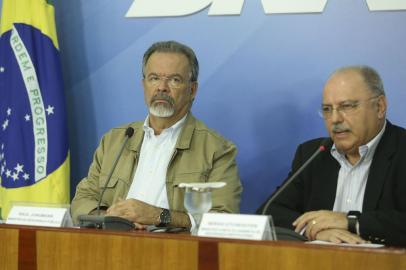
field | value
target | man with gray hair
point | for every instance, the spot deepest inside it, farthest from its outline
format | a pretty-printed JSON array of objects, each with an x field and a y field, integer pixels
[
  {"x": 355, "y": 190},
  {"x": 170, "y": 147}
]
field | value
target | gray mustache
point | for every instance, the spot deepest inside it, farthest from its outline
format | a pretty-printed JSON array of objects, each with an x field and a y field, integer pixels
[
  {"x": 165, "y": 97},
  {"x": 340, "y": 128}
]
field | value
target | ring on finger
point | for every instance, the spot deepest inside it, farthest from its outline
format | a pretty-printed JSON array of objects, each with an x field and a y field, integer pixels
[{"x": 314, "y": 222}]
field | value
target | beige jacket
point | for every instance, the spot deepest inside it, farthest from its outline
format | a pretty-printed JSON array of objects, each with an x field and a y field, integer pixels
[{"x": 201, "y": 155}]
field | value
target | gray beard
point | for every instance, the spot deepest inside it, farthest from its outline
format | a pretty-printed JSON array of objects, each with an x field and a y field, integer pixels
[{"x": 161, "y": 110}]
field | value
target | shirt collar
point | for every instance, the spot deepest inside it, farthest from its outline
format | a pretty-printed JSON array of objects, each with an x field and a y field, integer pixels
[
  {"x": 172, "y": 129},
  {"x": 366, "y": 151}
]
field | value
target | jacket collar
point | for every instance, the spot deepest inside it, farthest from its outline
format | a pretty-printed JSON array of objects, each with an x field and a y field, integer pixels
[
  {"x": 183, "y": 142},
  {"x": 379, "y": 167},
  {"x": 136, "y": 141},
  {"x": 186, "y": 134}
]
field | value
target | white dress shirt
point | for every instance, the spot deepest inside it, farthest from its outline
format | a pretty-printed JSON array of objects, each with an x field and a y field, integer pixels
[
  {"x": 149, "y": 183},
  {"x": 352, "y": 179}
]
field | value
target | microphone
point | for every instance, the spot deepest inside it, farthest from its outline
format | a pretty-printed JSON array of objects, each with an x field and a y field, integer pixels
[
  {"x": 108, "y": 222},
  {"x": 128, "y": 134},
  {"x": 323, "y": 146}
]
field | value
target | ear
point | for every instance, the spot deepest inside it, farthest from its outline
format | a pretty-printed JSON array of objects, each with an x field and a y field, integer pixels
[
  {"x": 382, "y": 105},
  {"x": 193, "y": 90},
  {"x": 143, "y": 84}
]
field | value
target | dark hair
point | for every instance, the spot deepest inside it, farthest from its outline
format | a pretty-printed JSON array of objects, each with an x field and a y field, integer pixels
[{"x": 173, "y": 47}]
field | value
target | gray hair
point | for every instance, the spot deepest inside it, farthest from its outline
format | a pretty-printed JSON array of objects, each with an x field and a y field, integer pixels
[
  {"x": 370, "y": 76},
  {"x": 173, "y": 47}
]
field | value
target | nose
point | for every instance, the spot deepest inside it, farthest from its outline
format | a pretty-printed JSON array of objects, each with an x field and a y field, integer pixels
[
  {"x": 336, "y": 116},
  {"x": 163, "y": 85}
]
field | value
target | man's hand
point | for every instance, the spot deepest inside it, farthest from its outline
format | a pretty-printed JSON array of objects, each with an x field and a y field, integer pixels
[
  {"x": 339, "y": 236},
  {"x": 140, "y": 213},
  {"x": 317, "y": 221}
]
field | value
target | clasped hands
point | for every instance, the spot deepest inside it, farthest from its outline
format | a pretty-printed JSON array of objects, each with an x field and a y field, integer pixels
[
  {"x": 327, "y": 226},
  {"x": 140, "y": 213}
]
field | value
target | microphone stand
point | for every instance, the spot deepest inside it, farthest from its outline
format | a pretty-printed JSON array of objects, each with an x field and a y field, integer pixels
[
  {"x": 108, "y": 222},
  {"x": 321, "y": 148}
]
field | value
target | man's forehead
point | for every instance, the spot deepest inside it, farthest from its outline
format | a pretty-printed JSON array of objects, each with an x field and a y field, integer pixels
[
  {"x": 346, "y": 78},
  {"x": 345, "y": 86},
  {"x": 166, "y": 60},
  {"x": 174, "y": 56}
]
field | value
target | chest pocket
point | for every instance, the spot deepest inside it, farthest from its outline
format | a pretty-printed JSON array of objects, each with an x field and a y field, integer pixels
[
  {"x": 177, "y": 193},
  {"x": 190, "y": 177},
  {"x": 115, "y": 188}
]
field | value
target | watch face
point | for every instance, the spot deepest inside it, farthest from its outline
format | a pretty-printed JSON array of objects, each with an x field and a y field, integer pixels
[{"x": 165, "y": 217}]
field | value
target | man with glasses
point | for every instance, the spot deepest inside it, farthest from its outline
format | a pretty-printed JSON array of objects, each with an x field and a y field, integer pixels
[
  {"x": 170, "y": 147},
  {"x": 355, "y": 191}
]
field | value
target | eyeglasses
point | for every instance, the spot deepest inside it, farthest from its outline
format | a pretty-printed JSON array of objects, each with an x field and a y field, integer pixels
[
  {"x": 174, "y": 81},
  {"x": 344, "y": 108}
]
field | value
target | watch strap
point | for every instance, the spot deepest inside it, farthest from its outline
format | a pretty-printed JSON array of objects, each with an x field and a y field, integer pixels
[{"x": 353, "y": 217}]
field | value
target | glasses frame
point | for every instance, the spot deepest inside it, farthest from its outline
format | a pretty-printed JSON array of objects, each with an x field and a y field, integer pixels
[
  {"x": 167, "y": 79},
  {"x": 345, "y": 109}
]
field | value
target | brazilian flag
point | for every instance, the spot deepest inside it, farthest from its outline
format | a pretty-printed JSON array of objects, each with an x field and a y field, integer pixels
[{"x": 34, "y": 152}]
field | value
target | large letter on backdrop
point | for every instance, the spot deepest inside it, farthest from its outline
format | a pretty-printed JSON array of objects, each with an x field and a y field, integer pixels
[
  {"x": 34, "y": 155},
  {"x": 156, "y": 8},
  {"x": 380, "y": 5},
  {"x": 159, "y": 8},
  {"x": 293, "y": 6}
]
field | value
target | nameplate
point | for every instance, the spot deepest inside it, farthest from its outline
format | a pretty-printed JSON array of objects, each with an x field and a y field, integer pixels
[
  {"x": 39, "y": 216},
  {"x": 236, "y": 226}
]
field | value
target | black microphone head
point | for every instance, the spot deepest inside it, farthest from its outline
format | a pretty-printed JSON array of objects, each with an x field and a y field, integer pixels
[
  {"x": 129, "y": 132},
  {"x": 326, "y": 143}
]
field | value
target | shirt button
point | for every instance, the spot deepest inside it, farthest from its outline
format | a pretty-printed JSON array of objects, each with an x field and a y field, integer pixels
[{"x": 348, "y": 200}]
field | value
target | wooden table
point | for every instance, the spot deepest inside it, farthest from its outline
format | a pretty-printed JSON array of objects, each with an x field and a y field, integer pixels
[{"x": 41, "y": 248}]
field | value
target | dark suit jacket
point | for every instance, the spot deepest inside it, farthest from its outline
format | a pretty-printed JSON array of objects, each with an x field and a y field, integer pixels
[{"x": 383, "y": 218}]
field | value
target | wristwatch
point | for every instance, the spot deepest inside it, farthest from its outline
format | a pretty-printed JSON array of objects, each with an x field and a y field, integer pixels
[
  {"x": 353, "y": 217},
  {"x": 164, "y": 218}
]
